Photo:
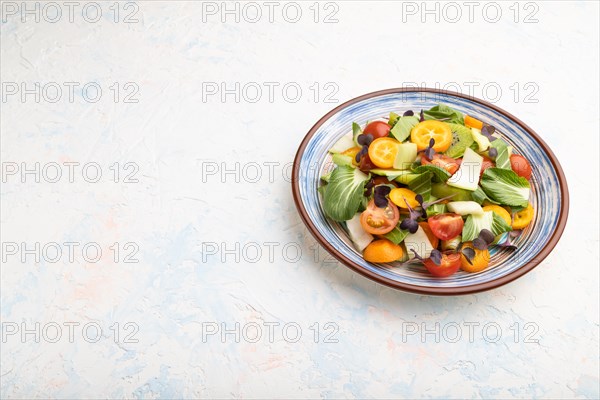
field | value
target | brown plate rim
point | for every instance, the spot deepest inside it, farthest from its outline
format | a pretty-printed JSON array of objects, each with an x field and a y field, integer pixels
[{"x": 430, "y": 290}]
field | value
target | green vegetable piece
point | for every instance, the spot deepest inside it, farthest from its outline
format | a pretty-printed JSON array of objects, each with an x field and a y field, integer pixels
[
  {"x": 401, "y": 131},
  {"x": 396, "y": 235},
  {"x": 503, "y": 157},
  {"x": 505, "y": 187},
  {"x": 422, "y": 185},
  {"x": 445, "y": 113},
  {"x": 439, "y": 174},
  {"x": 344, "y": 193},
  {"x": 356, "y": 131}
]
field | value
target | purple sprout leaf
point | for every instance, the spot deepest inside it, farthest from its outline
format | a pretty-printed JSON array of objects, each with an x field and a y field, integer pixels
[
  {"x": 487, "y": 236},
  {"x": 364, "y": 140},
  {"x": 380, "y": 195},
  {"x": 410, "y": 225},
  {"x": 487, "y": 131},
  {"x": 417, "y": 256},
  {"x": 436, "y": 256},
  {"x": 469, "y": 254},
  {"x": 408, "y": 113},
  {"x": 493, "y": 152},
  {"x": 479, "y": 244},
  {"x": 421, "y": 116}
]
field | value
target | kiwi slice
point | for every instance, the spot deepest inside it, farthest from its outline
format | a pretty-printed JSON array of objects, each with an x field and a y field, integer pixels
[{"x": 461, "y": 139}]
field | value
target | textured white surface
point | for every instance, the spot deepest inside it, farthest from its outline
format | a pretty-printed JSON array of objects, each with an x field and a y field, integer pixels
[{"x": 179, "y": 289}]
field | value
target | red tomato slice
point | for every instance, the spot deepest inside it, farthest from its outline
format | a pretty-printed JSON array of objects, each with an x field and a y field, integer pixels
[
  {"x": 377, "y": 129},
  {"x": 448, "y": 163},
  {"x": 379, "y": 221},
  {"x": 446, "y": 226},
  {"x": 520, "y": 165},
  {"x": 487, "y": 163},
  {"x": 449, "y": 265}
]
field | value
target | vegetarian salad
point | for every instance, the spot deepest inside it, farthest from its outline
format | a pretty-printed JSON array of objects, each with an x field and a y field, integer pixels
[{"x": 438, "y": 188}]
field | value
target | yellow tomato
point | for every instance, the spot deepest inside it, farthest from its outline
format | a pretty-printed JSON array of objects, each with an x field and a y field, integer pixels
[
  {"x": 400, "y": 196},
  {"x": 522, "y": 218},
  {"x": 382, "y": 152},
  {"x": 439, "y": 131},
  {"x": 478, "y": 263},
  {"x": 382, "y": 251}
]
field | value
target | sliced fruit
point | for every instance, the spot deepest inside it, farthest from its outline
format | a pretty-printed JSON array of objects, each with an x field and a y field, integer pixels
[
  {"x": 440, "y": 190},
  {"x": 343, "y": 144},
  {"x": 358, "y": 235},
  {"x": 382, "y": 152},
  {"x": 406, "y": 155},
  {"x": 377, "y": 129},
  {"x": 467, "y": 176},
  {"x": 522, "y": 218},
  {"x": 461, "y": 139},
  {"x": 465, "y": 207},
  {"x": 352, "y": 152},
  {"x": 501, "y": 211},
  {"x": 382, "y": 251},
  {"x": 419, "y": 242},
  {"x": 389, "y": 173},
  {"x": 439, "y": 131},
  {"x": 520, "y": 165},
  {"x": 379, "y": 221},
  {"x": 446, "y": 226},
  {"x": 473, "y": 122},
  {"x": 478, "y": 263},
  {"x": 449, "y": 264},
  {"x": 402, "y": 196},
  {"x": 482, "y": 142}
]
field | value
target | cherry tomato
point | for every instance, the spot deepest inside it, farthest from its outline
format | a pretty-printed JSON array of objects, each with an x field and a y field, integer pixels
[
  {"x": 448, "y": 163},
  {"x": 377, "y": 129},
  {"x": 487, "y": 163},
  {"x": 520, "y": 165},
  {"x": 432, "y": 238},
  {"x": 446, "y": 226},
  {"x": 379, "y": 221},
  {"x": 449, "y": 265},
  {"x": 366, "y": 164}
]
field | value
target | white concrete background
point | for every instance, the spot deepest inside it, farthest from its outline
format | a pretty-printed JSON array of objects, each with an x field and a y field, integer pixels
[{"x": 178, "y": 289}]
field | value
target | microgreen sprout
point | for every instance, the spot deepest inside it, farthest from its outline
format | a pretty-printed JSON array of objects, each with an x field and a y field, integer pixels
[
  {"x": 408, "y": 113},
  {"x": 435, "y": 256},
  {"x": 380, "y": 195},
  {"x": 422, "y": 116},
  {"x": 410, "y": 223},
  {"x": 493, "y": 152},
  {"x": 508, "y": 241},
  {"x": 487, "y": 131},
  {"x": 429, "y": 152}
]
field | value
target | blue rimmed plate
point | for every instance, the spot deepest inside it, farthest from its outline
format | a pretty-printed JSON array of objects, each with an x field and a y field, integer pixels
[{"x": 549, "y": 193}]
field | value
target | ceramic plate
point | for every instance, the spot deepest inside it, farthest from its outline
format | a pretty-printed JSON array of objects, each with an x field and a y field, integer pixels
[{"x": 549, "y": 193}]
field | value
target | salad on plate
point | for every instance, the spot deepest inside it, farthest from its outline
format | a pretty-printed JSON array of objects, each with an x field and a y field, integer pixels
[{"x": 438, "y": 187}]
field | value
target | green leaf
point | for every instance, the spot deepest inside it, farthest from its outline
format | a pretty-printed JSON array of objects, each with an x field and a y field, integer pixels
[
  {"x": 436, "y": 209},
  {"x": 489, "y": 220},
  {"x": 505, "y": 187},
  {"x": 503, "y": 158},
  {"x": 421, "y": 184},
  {"x": 326, "y": 177},
  {"x": 439, "y": 174},
  {"x": 397, "y": 235},
  {"x": 402, "y": 129},
  {"x": 445, "y": 113},
  {"x": 499, "y": 225},
  {"x": 479, "y": 196},
  {"x": 475, "y": 223},
  {"x": 344, "y": 193}
]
